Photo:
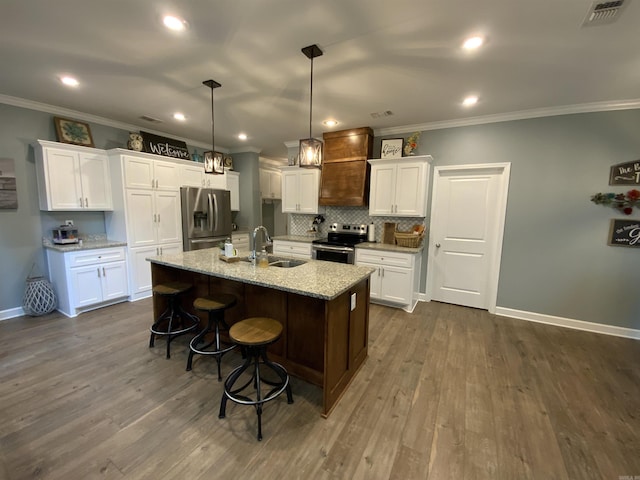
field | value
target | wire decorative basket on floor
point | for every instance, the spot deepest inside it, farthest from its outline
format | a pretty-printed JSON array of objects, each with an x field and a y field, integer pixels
[{"x": 39, "y": 297}]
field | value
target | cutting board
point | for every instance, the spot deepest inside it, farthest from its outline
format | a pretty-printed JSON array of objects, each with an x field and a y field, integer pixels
[{"x": 388, "y": 233}]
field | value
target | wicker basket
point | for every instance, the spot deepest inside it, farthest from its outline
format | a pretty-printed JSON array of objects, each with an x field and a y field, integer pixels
[{"x": 408, "y": 239}]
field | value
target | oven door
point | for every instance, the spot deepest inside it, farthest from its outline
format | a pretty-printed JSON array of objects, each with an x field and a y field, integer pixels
[{"x": 330, "y": 253}]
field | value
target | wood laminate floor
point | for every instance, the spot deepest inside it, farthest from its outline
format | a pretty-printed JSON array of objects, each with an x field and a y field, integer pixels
[{"x": 446, "y": 393}]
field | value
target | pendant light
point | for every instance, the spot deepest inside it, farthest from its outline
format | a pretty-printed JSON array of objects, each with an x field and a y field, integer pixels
[
  {"x": 311, "y": 148},
  {"x": 215, "y": 166}
]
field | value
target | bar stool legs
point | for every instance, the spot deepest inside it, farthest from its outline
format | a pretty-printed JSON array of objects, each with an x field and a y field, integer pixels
[
  {"x": 215, "y": 306},
  {"x": 178, "y": 321},
  {"x": 255, "y": 334}
]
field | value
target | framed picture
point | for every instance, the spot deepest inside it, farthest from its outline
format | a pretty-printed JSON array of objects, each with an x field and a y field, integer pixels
[
  {"x": 213, "y": 164},
  {"x": 391, "y": 148},
  {"x": 8, "y": 191},
  {"x": 73, "y": 131},
  {"x": 228, "y": 162},
  {"x": 624, "y": 233}
]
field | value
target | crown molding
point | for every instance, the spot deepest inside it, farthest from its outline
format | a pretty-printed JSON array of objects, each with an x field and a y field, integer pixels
[
  {"x": 86, "y": 117},
  {"x": 512, "y": 116},
  {"x": 292, "y": 144},
  {"x": 247, "y": 149}
]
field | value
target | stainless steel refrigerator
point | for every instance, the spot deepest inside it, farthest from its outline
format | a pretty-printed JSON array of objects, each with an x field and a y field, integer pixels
[{"x": 206, "y": 217}]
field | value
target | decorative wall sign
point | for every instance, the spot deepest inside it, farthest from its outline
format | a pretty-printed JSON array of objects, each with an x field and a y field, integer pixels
[
  {"x": 72, "y": 131},
  {"x": 167, "y": 147},
  {"x": 624, "y": 233},
  {"x": 8, "y": 190},
  {"x": 625, "y": 174},
  {"x": 391, "y": 148}
]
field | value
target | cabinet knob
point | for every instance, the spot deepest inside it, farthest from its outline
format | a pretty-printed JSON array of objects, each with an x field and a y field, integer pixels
[{"x": 437, "y": 245}]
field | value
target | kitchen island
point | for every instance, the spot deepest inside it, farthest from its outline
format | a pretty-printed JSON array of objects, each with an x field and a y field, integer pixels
[{"x": 323, "y": 307}]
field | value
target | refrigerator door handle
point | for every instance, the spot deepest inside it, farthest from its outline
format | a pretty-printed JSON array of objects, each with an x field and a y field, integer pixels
[
  {"x": 210, "y": 213},
  {"x": 215, "y": 207}
]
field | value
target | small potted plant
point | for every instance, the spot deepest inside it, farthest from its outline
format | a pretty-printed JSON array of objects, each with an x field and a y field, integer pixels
[{"x": 411, "y": 144}]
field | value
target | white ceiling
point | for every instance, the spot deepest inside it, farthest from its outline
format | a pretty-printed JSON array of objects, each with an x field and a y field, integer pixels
[{"x": 401, "y": 55}]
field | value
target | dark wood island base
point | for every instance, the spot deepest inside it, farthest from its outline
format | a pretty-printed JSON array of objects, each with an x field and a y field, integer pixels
[{"x": 323, "y": 342}]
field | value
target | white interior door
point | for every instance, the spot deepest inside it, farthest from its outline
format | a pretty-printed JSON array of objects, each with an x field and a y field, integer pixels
[{"x": 467, "y": 222}]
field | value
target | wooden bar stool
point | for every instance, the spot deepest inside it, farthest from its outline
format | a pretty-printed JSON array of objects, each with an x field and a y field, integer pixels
[
  {"x": 215, "y": 306},
  {"x": 174, "y": 321},
  {"x": 255, "y": 334}
]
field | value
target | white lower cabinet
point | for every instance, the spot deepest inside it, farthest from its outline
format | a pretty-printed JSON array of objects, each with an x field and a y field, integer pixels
[
  {"x": 396, "y": 279},
  {"x": 292, "y": 249},
  {"x": 88, "y": 279},
  {"x": 141, "y": 268}
]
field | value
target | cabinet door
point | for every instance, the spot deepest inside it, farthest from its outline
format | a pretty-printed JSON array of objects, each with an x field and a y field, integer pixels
[
  {"x": 114, "y": 280},
  {"x": 290, "y": 181},
  {"x": 167, "y": 215},
  {"x": 275, "y": 184},
  {"x": 138, "y": 173},
  {"x": 396, "y": 284},
  {"x": 233, "y": 185},
  {"x": 308, "y": 187},
  {"x": 192, "y": 176},
  {"x": 141, "y": 269},
  {"x": 382, "y": 193},
  {"x": 96, "y": 182},
  {"x": 265, "y": 184},
  {"x": 166, "y": 175},
  {"x": 375, "y": 281},
  {"x": 63, "y": 181},
  {"x": 410, "y": 191},
  {"x": 87, "y": 288},
  {"x": 141, "y": 222},
  {"x": 215, "y": 181},
  {"x": 170, "y": 249}
]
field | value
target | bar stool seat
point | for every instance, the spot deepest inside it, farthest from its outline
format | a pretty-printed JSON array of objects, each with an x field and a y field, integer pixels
[
  {"x": 255, "y": 334},
  {"x": 215, "y": 307},
  {"x": 174, "y": 321}
]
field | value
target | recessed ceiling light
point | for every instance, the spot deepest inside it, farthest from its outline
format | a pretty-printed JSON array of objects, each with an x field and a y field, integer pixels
[
  {"x": 179, "y": 116},
  {"x": 69, "y": 81},
  {"x": 330, "y": 123},
  {"x": 242, "y": 136},
  {"x": 472, "y": 43},
  {"x": 470, "y": 101},
  {"x": 174, "y": 23}
]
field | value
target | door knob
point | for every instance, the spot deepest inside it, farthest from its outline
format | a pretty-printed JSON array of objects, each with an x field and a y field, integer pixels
[{"x": 437, "y": 245}]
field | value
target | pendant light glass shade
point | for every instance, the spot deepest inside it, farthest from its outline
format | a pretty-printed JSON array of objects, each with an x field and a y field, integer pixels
[{"x": 310, "y": 154}]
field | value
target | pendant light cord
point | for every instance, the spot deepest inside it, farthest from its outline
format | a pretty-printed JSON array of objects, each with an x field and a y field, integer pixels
[
  {"x": 311, "y": 99},
  {"x": 213, "y": 143}
]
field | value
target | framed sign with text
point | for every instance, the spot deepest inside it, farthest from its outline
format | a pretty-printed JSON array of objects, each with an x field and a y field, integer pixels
[
  {"x": 167, "y": 147},
  {"x": 625, "y": 174},
  {"x": 624, "y": 233}
]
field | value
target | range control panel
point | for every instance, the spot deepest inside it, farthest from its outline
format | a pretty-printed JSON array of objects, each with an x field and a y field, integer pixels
[{"x": 348, "y": 228}]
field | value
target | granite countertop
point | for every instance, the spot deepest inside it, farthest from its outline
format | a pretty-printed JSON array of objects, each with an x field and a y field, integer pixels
[
  {"x": 324, "y": 280},
  {"x": 88, "y": 243},
  {"x": 387, "y": 247}
]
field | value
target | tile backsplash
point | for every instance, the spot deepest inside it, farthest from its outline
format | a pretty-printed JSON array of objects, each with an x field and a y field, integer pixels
[{"x": 301, "y": 224}]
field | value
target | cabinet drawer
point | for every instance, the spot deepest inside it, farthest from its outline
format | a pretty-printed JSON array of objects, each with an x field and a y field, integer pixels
[
  {"x": 383, "y": 258},
  {"x": 281, "y": 247},
  {"x": 90, "y": 257}
]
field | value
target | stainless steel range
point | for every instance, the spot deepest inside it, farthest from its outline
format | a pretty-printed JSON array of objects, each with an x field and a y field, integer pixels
[{"x": 339, "y": 246}]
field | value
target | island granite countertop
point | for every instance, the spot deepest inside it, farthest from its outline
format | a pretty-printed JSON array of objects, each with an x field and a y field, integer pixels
[{"x": 315, "y": 278}]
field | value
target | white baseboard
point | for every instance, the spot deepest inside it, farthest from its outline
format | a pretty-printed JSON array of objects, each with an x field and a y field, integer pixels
[
  {"x": 569, "y": 323},
  {"x": 11, "y": 313}
]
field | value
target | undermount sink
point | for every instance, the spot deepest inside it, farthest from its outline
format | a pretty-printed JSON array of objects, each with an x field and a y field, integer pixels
[{"x": 281, "y": 262}]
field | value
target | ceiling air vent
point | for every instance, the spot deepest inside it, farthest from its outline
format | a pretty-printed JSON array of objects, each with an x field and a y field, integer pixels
[
  {"x": 386, "y": 113},
  {"x": 602, "y": 13},
  {"x": 150, "y": 119}
]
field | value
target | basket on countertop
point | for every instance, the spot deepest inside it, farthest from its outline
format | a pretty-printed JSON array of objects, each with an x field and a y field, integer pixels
[{"x": 411, "y": 239}]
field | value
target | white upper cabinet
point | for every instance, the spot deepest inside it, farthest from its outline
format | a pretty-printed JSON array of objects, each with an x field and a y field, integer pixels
[
  {"x": 150, "y": 174},
  {"x": 72, "y": 177},
  {"x": 399, "y": 186},
  {"x": 233, "y": 185},
  {"x": 270, "y": 184},
  {"x": 300, "y": 188},
  {"x": 192, "y": 175}
]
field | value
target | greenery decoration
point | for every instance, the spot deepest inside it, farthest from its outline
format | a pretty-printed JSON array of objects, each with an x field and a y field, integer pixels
[{"x": 624, "y": 202}]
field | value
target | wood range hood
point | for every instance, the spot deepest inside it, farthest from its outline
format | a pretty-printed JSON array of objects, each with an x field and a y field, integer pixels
[{"x": 345, "y": 170}]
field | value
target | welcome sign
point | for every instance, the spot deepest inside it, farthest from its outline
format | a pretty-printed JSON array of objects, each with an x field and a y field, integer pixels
[
  {"x": 625, "y": 174},
  {"x": 167, "y": 147}
]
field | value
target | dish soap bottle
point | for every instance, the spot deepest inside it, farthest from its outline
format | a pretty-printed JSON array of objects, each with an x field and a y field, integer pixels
[{"x": 263, "y": 259}]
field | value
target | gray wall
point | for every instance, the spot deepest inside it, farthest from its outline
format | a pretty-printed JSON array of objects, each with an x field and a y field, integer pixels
[{"x": 555, "y": 260}]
